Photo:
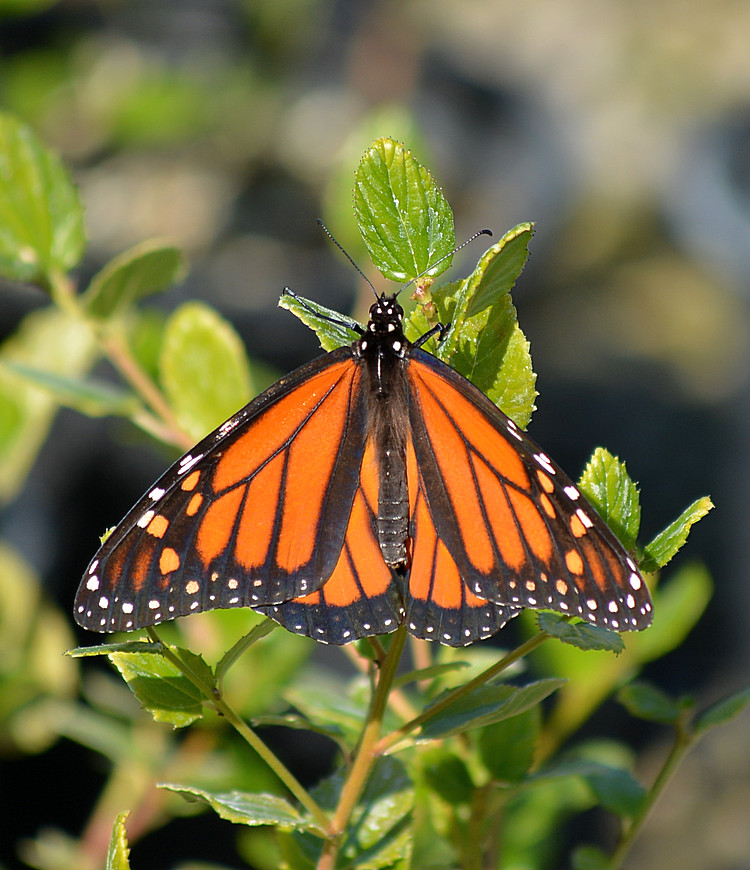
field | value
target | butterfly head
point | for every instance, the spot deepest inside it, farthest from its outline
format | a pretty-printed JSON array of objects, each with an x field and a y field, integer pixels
[{"x": 386, "y": 317}]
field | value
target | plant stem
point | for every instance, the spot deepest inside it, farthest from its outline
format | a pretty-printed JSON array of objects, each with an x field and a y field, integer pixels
[
  {"x": 236, "y": 721},
  {"x": 684, "y": 741},
  {"x": 395, "y": 736},
  {"x": 366, "y": 754},
  {"x": 115, "y": 346}
]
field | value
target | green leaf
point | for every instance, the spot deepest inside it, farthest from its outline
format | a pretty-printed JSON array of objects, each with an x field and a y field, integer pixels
[
  {"x": 379, "y": 834},
  {"x": 243, "y": 808},
  {"x": 498, "y": 270},
  {"x": 615, "y": 788},
  {"x": 41, "y": 218},
  {"x": 93, "y": 398},
  {"x": 330, "y": 326},
  {"x": 51, "y": 341},
  {"x": 104, "y": 649},
  {"x": 162, "y": 688},
  {"x": 404, "y": 219},
  {"x": 204, "y": 368},
  {"x": 723, "y": 711},
  {"x": 646, "y": 701},
  {"x": 329, "y": 703},
  {"x": 580, "y": 634},
  {"x": 590, "y": 858},
  {"x": 614, "y": 496},
  {"x": 508, "y": 748},
  {"x": 670, "y": 540},
  {"x": 119, "y": 851},
  {"x": 447, "y": 775},
  {"x": 145, "y": 269},
  {"x": 489, "y": 349},
  {"x": 485, "y": 705}
]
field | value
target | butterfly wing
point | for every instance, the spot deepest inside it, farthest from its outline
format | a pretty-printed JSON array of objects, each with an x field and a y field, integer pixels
[
  {"x": 520, "y": 532},
  {"x": 362, "y": 597},
  {"x": 439, "y": 604},
  {"x": 255, "y": 514}
]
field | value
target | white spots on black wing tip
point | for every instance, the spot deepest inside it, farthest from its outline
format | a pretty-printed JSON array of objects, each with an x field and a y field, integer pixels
[
  {"x": 228, "y": 426},
  {"x": 531, "y": 601},
  {"x": 630, "y": 601},
  {"x": 104, "y": 602},
  {"x": 154, "y": 604},
  {"x": 613, "y": 607},
  {"x": 584, "y": 518},
  {"x": 347, "y": 634},
  {"x": 366, "y": 626},
  {"x": 545, "y": 462},
  {"x": 192, "y": 586},
  {"x": 193, "y": 605},
  {"x": 234, "y": 600},
  {"x": 156, "y": 493},
  {"x": 635, "y": 581},
  {"x": 592, "y": 603},
  {"x": 631, "y": 564},
  {"x": 93, "y": 566},
  {"x": 92, "y": 584},
  {"x": 188, "y": 461},
  {"x": 145, "y": 519},
  {"x": 571, "y": 492}
]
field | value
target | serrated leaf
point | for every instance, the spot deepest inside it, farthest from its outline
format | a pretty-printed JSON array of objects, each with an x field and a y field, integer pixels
[
  {"x": 723, "y": 711},
  {"x": 203, "y": 367},
  {"x": 670, "y": 540},
  {"x": 244, "y": 808},
  {"x": 485, "y": 705},
  {"x": 145, "y": 269},
  {"x": 118, "y": 853},
  {"x": 93, "y": 398},
  {"x": 162, "y": 688},
  {"x": 489, "y": 349},
  {"x": 580, "y": 634},
  {"x": 614, "y": 496},
  {"x": 404, "y": 219},
  {"x": 333, "y": 329},
  {"x": 647, "y": 701},
  {"x": 41, "y": 218}
]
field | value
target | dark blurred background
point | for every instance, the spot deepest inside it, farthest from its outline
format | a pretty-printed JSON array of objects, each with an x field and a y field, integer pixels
[{"x": 622, "y": 127}]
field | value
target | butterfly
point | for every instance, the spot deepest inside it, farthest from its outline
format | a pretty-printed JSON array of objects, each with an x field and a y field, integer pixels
[{"x": 371, "y": 487}]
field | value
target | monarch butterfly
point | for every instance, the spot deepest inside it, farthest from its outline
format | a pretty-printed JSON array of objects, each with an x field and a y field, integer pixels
[{"x": 371, "y": 487}]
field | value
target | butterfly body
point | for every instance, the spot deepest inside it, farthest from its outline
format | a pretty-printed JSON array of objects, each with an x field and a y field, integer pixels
[{"x": 373, "y": 486}]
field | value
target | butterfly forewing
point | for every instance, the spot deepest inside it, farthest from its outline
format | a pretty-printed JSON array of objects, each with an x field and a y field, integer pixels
[{"x": 254, "y": 515}]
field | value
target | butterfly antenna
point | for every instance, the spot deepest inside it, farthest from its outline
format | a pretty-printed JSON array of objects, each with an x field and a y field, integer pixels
[
  {"x": 346, "y": 254},
  {"x": 445, "y": 256}
]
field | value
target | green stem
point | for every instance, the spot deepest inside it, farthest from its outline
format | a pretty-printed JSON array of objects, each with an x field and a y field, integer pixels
[
  {"x": 395, "y": 736},
  {"x": 683, "y": 743},
  {"x": 236, "y": 721},
  {"x": 232, "y": 654},
  {"x": 116, "y": 348},
  {"x": 366, "y": 754}
]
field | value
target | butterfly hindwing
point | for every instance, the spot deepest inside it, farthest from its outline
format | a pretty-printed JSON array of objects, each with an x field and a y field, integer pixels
[
  {"x": 255, "y": 514},
  {"x": 362, "y": 597},
  {"x": 520, "y": 531}
]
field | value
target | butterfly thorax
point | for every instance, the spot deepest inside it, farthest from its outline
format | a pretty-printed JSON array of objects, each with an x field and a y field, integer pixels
[{"x": 383, "y": 352}]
